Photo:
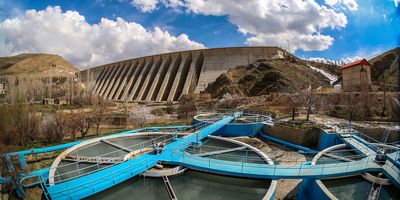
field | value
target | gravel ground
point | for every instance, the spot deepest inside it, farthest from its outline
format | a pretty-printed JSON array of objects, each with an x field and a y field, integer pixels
[{"x": 286, "y": 188}]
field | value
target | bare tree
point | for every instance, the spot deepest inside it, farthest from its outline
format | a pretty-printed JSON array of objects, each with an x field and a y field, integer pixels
[
  {"x": 140, "y": 116},
  {"x": 354, "y": 106},
  {"x": 293, "y": 103},
  {"x": 71, "y": 127},
  {"x": 323, "y": 105},
  {"x": 229, "y": 101},
  {"x": 187, "y": 107},
  {"x": 308, "y": 100},
  {"x": 100, "y": 108},
  {"x": 82, "y": 122},
  {"x": 54, "y": 127},
  {"x": 9, "y": 167},
  {"x": 19, "y": 123}
]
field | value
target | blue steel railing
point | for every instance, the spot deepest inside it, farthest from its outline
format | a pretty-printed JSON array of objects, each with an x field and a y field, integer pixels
[
  {"x": 140, "y": 146},
  {"x": 92, "y": 179},
  {"x": 319, "y": 169},
  {"x": 275, "y": 171},
  {"x": 59, "y": 190},
  {"x": 114, "y": 154},
  {"x": 64, "y": 146},
  {"x": 89, "y": 180},
  {"x": 276, "y": 156},
  {"x": 254, "y": 116}
]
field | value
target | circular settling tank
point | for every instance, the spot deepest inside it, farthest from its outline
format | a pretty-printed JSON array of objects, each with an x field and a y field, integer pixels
[
  {"x": 352, "y": 187},
  {"x": 245, "y": 125},
  {"x": 189, "y": 184}
]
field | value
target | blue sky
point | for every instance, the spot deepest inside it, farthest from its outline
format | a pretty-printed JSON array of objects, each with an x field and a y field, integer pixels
[{"x": 90, "y": 33}]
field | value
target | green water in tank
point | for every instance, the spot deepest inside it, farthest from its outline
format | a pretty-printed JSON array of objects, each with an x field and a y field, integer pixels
[
  {"x": 354, "y": 188},
  {"x": 192, "y": 185}
]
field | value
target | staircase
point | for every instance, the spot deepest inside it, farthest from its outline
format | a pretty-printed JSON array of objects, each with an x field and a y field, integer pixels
[
  {"x": 256, "y": 130},
  {"x": 385, "y": 134},
  {"x": 168, "y": 186}
]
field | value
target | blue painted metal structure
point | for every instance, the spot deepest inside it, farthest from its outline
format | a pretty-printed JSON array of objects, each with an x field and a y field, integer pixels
[
  {"x": 102, "y": 179},
  {"x": 287, "y": 143},
  {"x": 42, "y": 175},
  {"x": 239, "y": 129},
  {"x": 87, "y": 184}
]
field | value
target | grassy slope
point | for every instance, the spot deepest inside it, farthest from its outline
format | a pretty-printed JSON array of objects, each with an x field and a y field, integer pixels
[
  {"x": 384, "y": 67},
  {"x": 29, "y": 64}
]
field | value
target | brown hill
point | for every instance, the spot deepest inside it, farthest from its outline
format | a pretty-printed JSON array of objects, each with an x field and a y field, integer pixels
[
  {"x": 260, "y": 78},
  {"x": 384, "y": 68},
  {"x": 42, "y": 65}
]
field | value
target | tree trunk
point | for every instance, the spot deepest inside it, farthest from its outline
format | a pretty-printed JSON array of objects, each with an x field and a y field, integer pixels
[
  {"x": 97, "y": 129},
  {"x": 350, "y": 118},
  {"x": 308, "y": 116},
  {"x": 293, "y": 113}
]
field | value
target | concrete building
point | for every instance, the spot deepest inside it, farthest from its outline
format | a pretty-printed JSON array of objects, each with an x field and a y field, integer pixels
[
  {"x": 357, "y": 76},
  {"x": 166, "y": 77}
]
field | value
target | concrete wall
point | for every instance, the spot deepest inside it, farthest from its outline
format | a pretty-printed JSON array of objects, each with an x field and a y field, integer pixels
[
  {"x": 376, "y": 133},
  {"x": 304, "y": 137},
  {"x": 166, "y": 77},
  {"x": 357, "y": 78}
]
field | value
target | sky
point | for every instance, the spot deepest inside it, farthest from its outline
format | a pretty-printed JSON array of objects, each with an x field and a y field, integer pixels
[{"x": 89, "y": 33}]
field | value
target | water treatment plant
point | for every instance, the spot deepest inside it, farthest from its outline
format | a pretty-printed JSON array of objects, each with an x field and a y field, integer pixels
[{"x": 206, "y": 161}]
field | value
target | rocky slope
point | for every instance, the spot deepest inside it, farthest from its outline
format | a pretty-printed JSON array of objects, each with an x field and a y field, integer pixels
[
  {"x": 384, "y": 68},
  {"x": 260, "y": 78}
]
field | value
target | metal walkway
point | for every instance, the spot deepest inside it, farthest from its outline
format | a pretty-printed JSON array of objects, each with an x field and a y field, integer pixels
[
  {"x": 90, "y": 183},
  {"x": 390, "y": 168},
  {"x": 272, "y": 171}
]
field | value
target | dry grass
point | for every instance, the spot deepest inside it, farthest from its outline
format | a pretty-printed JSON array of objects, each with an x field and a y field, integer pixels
[{"x": 36, "y": 65}]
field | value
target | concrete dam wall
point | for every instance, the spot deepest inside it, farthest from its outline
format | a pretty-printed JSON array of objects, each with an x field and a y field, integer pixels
[{"x": 166, "y": 77}]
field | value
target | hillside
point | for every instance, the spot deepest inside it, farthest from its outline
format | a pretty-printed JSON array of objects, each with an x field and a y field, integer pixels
[
  {"x": 267, "y": 76},
  {"x": 43, "y": 65},
  {"x": 384, "y": 67}
]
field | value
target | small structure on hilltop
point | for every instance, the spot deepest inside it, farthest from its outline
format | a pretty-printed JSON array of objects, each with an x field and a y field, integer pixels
[{"x": 357, "y": 76}]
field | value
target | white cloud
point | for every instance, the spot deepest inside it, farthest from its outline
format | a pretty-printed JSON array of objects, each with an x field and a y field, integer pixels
[
  {"x": 272, "y": 22},
  {"x": 396, "y": 3},
  {"x": 343, "y": 4},
  {"x": 145, "y": 5},
  {"x": 71, "y": 36}
]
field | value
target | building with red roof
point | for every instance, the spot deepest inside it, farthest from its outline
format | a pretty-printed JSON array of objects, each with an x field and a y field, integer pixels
[{"x": 357, "y": 76}]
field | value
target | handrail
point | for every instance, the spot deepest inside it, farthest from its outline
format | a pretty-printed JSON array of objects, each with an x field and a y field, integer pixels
[
  {"x": 64, "y": 146},
  {"x": 91, "y": 166},
  {"x": 141, "y": 146}
]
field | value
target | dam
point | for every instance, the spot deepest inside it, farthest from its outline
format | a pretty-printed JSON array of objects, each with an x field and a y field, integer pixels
[{"x": 165, "y": 77}]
